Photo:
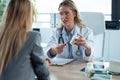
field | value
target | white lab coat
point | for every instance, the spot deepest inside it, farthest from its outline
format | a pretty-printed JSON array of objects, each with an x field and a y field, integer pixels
[{"x": 88, "y": 35}]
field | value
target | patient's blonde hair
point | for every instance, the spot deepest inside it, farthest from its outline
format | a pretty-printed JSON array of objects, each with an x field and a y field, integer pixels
[{"x": 16, "y": 22}]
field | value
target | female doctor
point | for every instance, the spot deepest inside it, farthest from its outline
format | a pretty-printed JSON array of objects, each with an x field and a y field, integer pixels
[{"x": 71, "y": 24}]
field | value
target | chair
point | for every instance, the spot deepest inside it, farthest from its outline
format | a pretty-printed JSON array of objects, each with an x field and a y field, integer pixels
[{"x": 96, "y": 21}]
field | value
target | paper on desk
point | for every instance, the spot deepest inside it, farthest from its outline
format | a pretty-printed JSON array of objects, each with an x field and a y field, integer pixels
[{"x": 60, "y": 61}]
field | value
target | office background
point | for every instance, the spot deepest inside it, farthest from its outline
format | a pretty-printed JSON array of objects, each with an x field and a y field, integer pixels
[{"x": 47, "y": 18}]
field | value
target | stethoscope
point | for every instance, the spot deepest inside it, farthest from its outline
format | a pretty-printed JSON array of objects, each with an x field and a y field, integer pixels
[{"x": 60, "y": 39}]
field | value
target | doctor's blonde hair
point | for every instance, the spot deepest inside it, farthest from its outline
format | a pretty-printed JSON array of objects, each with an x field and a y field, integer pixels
[
  {"x": 16, "y": 22},
  {"x": 72, "y": 5}
]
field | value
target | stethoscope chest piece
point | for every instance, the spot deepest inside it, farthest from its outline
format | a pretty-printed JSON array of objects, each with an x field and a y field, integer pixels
[{"x": 78, "y": 53}]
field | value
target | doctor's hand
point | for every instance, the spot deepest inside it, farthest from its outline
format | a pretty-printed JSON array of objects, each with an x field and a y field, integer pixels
[
  {"x": 82, "y": 42},
  {"x": 58, "y": 49}
]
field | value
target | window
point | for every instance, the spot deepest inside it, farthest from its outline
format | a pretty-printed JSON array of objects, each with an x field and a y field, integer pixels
[
  {"x": 43, "y": 20},
  {"x": 46, "y": 17},
  {"x": 103, "y": 6}
]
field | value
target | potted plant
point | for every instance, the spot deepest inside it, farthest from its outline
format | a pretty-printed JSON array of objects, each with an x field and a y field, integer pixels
[{"x": 2, "y": 7}]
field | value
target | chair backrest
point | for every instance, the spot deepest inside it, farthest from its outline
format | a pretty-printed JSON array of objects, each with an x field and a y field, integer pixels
[{"x": 96, "y": 21}]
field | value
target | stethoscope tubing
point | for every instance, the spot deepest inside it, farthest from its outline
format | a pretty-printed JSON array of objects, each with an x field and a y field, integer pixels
[{"x": 78, "y": 52}]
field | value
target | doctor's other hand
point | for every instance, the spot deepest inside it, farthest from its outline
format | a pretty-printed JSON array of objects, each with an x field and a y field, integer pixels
[
  {"x": 58, "y": 49},
  {"x": 48, "y": 62},
  {"x": 81, "y": 41}
]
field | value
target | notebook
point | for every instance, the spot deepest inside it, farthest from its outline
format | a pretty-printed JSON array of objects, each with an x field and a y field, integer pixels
[{"x": 60, "y": 61}]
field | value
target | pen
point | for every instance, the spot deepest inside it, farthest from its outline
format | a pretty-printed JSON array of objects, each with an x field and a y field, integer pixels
[{"x": 67, "y": 42}]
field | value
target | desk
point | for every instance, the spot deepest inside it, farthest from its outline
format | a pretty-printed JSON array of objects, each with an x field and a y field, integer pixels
[{"x": 71, "y": 71}]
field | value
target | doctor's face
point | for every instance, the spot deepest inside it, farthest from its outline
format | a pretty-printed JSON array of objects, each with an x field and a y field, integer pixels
[{"x": 67, "y": 16}]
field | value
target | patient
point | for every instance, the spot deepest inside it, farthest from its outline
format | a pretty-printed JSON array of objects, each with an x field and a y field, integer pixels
[
  {"x": 21, "y": 54},
  {"x": 0, "y": 78}
]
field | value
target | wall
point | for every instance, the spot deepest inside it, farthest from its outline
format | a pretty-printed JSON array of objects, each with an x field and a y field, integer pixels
[{"x": 112, "y": 45}]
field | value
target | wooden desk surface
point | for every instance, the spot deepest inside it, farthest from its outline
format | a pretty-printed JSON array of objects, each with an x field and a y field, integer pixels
[{"x": 71, "y": 71}]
